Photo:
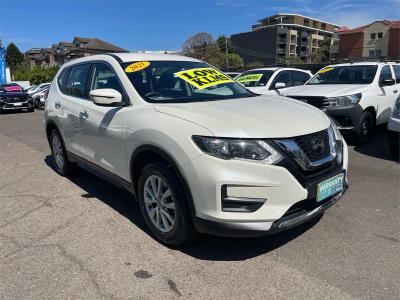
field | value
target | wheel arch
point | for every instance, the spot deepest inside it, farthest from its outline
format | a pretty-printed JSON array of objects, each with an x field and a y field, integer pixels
[
  {"x": 146, "y": 153},
  {"x": 372, "y": 110}
]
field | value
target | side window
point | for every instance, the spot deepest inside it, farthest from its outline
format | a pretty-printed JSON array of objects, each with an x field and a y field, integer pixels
[
  {"x": 105, "y": 78},
  {"x": 299, "y": 78},
  {"x": 396, "y": 69},
  {"x": 283, "y": 77},
  {"x": 77, "y": 81},
  {"x": 386, "y": 74},
  {"x": 62, "y": 81}
]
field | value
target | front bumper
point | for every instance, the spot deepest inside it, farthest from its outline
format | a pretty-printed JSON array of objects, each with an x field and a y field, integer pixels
[
  {"x": 11, "y": 106},
  {"x": 347, "y": 118},
  {"x": 287, "y": 196}
]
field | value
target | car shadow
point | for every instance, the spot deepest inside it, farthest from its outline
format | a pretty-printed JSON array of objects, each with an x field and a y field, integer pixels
[
  {"x": 377, "y": 145},
  {"x": 204, "y": 247}
]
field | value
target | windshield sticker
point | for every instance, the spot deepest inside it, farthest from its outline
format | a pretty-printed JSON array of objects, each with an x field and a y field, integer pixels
[
  {"x": 324, "y": 70},
  {"x": 137, "y": 66},
  {"x": 203, "y": 77},
  {"x": 249, "y": 77}
]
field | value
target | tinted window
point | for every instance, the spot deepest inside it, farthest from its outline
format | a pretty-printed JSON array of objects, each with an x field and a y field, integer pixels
[
  {"x": 386, "y": 74},
  {"x": 396, "y": 69},
  {"x": 283, "y": 77},
  {"x": 77, "y": 81},
  {"x": 299, "y": 78},
  {"x": 62, "y": 81},
  {"x": 105, "y": 78}
]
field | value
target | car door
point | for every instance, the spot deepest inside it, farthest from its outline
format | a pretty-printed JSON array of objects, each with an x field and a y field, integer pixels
[
  {"x": 103, "y": 126},
  {"x": 387, "y": 95},
  {"x": 73, "y": 91},
  {"x": 281, "y": 77}
]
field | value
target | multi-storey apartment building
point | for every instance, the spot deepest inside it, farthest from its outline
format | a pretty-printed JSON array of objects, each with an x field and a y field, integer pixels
[
  {"x": 281, "y": 36},
  {"x": 378, "y": 39},
  {"x": 64, "y": 51}
]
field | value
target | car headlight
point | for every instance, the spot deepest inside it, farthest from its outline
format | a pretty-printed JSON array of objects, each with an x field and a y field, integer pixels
[
  {"x": 396, "y": 109},
  {"x": 337, "y": 142},
  {"x": 336, "y": 131},
  {"x": 224, "y": 148},
  {"x": 349, "y": 100}
]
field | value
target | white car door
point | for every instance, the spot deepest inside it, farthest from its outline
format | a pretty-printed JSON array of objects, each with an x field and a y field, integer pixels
[
  {"x": 103, "y": 126},
  {"x": 387, "y": 94}
]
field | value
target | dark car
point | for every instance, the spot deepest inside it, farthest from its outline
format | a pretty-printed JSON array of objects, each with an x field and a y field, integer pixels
[{"x": 13, "y": 97}]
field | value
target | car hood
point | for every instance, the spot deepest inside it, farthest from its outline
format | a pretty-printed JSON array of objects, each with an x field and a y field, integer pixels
[
  {"x": 255, "y": 117},
  {"x": 326, "y": 90}
]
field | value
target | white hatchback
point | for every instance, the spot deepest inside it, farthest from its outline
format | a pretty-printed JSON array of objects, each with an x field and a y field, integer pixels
[{"x": 199, "y": 151}]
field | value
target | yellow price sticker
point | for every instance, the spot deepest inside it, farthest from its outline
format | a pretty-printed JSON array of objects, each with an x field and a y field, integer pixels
[
  {"x": 137, "y": 66},
  {"x": 249, "y": 77},
  {"x": 203, "y": 77},
  {"x": 324, "y": 70}
]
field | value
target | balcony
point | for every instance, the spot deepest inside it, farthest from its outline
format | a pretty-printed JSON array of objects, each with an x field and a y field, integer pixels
[
  {"x": 280, "y": 50},
  {"x": 281, "y": 41}
]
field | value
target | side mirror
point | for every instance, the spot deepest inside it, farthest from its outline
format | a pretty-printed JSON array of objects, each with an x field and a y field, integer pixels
[
  {"x": 279, "y": 85},
  {"x": 105, "y": 96},
  {"x": 387, "y": 82}
]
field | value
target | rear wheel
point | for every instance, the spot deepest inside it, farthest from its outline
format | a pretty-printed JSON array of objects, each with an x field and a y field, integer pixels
[
  {"x": 61, "y": 163},
  {"x": 366, "y": 125},
  {"x": 163, "y": 204},
  {"x": 32, "y": 109}
]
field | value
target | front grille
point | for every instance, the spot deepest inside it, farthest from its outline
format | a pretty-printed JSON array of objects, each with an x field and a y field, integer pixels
[
  {"x": 307, "y": 145},
  {"x": 15, "y": 99},
  {"x": 316, "y": 101}
]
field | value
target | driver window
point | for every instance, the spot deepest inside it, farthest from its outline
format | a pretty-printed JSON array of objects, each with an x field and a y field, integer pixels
[
  {"x": 386, "y": 74},
  {"x": 283, "y": 77},
  {"x": 105, "y": 78}
]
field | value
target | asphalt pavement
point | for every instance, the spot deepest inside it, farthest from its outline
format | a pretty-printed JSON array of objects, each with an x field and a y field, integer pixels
[{"x": 81, "y": 237}]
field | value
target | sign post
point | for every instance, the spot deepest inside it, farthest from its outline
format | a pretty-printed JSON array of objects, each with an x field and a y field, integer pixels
[{"x": 3, "y": 78}]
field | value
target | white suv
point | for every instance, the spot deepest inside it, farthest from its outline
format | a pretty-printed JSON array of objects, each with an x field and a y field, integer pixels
[
  {"x": 199, "y": 151},
  {"x": 273, "y": 81},
  {"x": 357, "y": 95}
]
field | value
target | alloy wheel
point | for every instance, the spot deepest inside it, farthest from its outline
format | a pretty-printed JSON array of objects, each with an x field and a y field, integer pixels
[{"x": 58, "y": 152}]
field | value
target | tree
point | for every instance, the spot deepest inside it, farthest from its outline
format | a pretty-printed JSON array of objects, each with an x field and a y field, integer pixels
[
  {"x": 294, "y": 60},
  {"x": 201, "y": 46},
  {"x": 254, "y": 64},
  {"x": 14, "y": 57},
  {"x": 36, "y": 75},
  {"x": 226, "y": 61},
  {"x": 323, "y": 53},
  {"x": 225, "y": 44}
]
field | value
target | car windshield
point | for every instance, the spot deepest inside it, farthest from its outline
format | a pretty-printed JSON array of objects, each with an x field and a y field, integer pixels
[
  {"x": 360, "y": 74},
  {"x": 181, "y": 81},
  {"x": 255, "y": 77}
]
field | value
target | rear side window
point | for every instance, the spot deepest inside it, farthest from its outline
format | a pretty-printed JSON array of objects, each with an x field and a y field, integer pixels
[
  {"x": 77, "y": 81},
  {"x": 299, "y": 78},
  {"x": 62, "y": 80},
  {"x": 396, "y": 69},
  {"x": 386, "y": 74}
]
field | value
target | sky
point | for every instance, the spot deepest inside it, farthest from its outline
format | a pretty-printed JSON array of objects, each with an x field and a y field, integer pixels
[{"x": 165, "y": 25}]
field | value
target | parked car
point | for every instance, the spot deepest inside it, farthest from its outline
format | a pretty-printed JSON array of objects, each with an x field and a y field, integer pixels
[
  {"x": 199, "y": 151},
  {"x": 394, "y": 129},
  {"x": 357, "y": 95},
  {"x": 232, "y": 74},
  {"x": 39, "y": 98},
  {"x": 39, "y": 88},
  {"x": 29, "y": 88},
  {"x": 13, "y": 97},
  {"x": 273, "y": 81}
]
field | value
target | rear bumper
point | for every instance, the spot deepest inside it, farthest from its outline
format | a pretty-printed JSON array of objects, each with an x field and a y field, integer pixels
[{"x": 257, "y": 229}]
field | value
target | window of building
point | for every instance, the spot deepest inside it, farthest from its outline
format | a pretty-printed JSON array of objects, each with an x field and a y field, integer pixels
[
  {"x": 306, "y": 22},
  {"x": 373, "y": 36},
  {"x": 77, "y": 81},
  {"x": 380, "y": 35},
  {"x": 371, "y": 53},
  {"x": 315, "y": 24},
  {"x": 323, "y": 26},
  {"x": 378, "y": 53}
]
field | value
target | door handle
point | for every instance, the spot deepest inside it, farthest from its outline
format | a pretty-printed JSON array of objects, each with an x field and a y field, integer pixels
[
  {"x": 395, "y": 91},
  {"x": 57, "y": 105},
  {"x": 83, "y": 114}
]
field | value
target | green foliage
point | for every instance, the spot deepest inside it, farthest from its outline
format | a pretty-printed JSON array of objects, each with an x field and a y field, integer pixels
[
  {"x": 225, "y": 43},
  {"x": 294, "y": 60},
  {"x": 230, "y": 60},
  {"x": 14, "y": 57},
  {"x": 36, "y": 75},
  {"x": 322, "y": 54}
]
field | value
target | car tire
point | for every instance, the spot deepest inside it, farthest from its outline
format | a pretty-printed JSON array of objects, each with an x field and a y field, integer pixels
[
  {"x": 62, "y": 164},
  {"x": 364, "y": 130},
  {"x": 32, "y": 109},
  {"x": 163, "y": 204}
]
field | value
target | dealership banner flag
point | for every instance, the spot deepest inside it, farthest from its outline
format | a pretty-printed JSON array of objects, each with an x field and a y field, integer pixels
[{"x": 2, "y": 65}]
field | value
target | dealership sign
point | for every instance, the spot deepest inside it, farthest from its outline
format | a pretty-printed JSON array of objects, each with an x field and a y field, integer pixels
[{"x": 3, "y": 65}]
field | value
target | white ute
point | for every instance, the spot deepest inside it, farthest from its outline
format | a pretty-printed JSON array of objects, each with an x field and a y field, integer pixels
[
  {"x": 357, "y": 96},
  {"x": 198, "y": 150}
]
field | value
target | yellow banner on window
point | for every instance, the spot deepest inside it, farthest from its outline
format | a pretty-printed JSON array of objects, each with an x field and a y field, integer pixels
[
  {"x": 249, "y": 77},
  {"x": 324, "y": 70},
  {"x": 203, "y": 77},
  {"x": 137, "y": 66}
]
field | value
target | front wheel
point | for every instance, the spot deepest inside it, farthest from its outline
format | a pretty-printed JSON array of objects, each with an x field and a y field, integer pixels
[
  {"x": 366, "y": 125},
  {"x": 163, "y": 204}
]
